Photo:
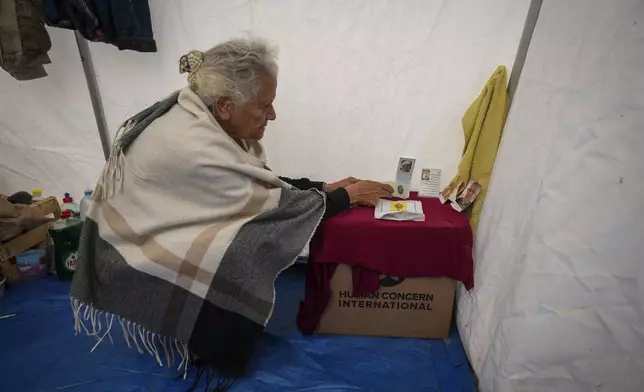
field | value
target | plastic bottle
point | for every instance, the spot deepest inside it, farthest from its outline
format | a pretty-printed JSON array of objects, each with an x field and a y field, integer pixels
[
  {"x": 36, "y": 195},
  {"x": 68, "y": 204},
  {"x": 85, "y": 203},
  {"x": 66, "y": 235}
]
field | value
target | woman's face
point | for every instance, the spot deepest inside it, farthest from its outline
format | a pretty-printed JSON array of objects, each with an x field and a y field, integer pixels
[{"x": 249, "y": 121}]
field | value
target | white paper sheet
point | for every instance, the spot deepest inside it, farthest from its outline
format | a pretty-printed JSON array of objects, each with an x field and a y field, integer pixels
[{"x": 399, "y": 210}]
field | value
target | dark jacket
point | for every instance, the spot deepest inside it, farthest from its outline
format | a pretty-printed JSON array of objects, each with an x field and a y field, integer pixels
[
  {"x": 123, "y": 23},
  {"x": 24, "y": 42},
  {"x": 337, "y": 201}
]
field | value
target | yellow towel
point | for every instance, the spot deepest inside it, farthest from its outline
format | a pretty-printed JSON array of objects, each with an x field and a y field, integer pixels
[{"x": 482, "y": 125}]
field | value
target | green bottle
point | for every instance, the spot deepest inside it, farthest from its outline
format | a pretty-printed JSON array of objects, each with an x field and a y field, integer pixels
[{"x": 66, "y": 235}]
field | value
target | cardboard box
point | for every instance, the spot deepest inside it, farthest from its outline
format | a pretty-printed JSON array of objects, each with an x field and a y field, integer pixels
[
  {"x": 403, "y": 307},
  {"x": 35, "y": 236},
  {"x": 9, "y": 270}
]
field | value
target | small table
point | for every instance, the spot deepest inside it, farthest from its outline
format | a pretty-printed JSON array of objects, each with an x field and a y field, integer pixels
[{"x": 441, "y": 246}]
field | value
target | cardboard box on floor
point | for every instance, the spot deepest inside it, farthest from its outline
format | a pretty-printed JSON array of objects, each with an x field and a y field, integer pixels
[
  {"x": 405, "y": 307},
  {"x": 34, "y": 236}
]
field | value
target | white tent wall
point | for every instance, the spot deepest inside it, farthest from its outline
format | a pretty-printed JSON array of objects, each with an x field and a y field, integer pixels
[
  {"x": 559, "y": 278},
  {"x": 48, "y": 134},
  {"x": 361, "y": 83}
]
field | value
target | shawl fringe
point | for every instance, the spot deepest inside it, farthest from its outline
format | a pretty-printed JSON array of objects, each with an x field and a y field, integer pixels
[{"x": 98, "y": 324}]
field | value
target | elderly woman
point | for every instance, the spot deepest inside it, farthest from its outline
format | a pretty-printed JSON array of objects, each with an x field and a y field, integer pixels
[{"x": 189, "y": 227}]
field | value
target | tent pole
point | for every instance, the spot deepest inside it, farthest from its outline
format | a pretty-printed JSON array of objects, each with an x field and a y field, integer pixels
[
  {"x": 524, "y": 44},
  {"x": 94, "y": 93}
]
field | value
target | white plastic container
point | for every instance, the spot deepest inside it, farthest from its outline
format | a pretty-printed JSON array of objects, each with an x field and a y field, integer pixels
[
  {"x": 32, "y": 264},
  {"x": 36, "y": 195},
  {"x": 85, "y": 203}
]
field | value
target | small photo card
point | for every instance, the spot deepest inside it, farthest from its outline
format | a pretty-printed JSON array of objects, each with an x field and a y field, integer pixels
[
  {"x": 404, "y": 175},
  {"x": 430, "y": 183}
]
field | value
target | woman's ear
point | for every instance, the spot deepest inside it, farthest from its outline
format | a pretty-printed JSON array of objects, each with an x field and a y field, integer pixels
[{"x": 222, "y": 108}]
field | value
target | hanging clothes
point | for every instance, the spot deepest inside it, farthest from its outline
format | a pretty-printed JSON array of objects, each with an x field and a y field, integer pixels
[
  {"x": 24, "y": 41},
  {"x": 125, "y": 24},
  {"x": 483, "y": 126}
]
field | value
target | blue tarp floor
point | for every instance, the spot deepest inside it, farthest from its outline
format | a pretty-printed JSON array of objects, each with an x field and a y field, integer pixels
[{"x": 39, "y": 352}]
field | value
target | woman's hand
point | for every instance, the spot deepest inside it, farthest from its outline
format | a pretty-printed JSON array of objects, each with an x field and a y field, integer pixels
[
  {"x": 340, "y": 184},
  {"x": 367, "y": 193}
]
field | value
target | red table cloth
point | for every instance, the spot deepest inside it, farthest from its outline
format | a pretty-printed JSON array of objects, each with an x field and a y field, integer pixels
[{"x": 439, "y": 246}]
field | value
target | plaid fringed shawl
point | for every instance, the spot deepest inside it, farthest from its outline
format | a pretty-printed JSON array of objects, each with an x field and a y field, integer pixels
[{"x": 185, "y": 238}]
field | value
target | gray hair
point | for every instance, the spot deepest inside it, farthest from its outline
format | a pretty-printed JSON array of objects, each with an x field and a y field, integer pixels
[{"x": 232, "y": 70}]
